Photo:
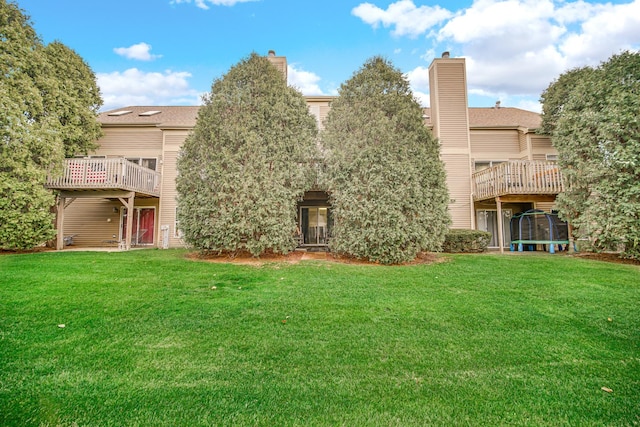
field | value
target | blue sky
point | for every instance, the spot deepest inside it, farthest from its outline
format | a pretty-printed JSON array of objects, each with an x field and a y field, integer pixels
[{"x": 168, "y": 52}]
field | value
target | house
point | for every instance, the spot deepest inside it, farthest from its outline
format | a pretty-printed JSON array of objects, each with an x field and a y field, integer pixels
[{"x": 125, "y": 194}]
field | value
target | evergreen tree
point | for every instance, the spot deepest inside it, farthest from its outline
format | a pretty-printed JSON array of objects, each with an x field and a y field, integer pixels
[
  {"x": 41, "y": 114},
  {"x": 73, "y": 95},
  {"x": 385, "y": 178},
  {"x": 597, "y": 134},
  {"x": 247, "y": 163}
]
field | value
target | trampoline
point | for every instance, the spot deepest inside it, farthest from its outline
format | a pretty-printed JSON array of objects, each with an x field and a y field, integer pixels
[{"x": 536, "y": 227}]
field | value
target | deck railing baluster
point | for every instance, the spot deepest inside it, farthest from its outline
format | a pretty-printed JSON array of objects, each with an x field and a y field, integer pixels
[
  {"x": 100, "y": 173},
  {"x": 517, "y": 177}
]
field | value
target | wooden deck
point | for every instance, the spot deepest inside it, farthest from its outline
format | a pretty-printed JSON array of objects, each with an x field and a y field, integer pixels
[
  {"x": 519, "y": 177},
  {"x": 117, "y": 174}
]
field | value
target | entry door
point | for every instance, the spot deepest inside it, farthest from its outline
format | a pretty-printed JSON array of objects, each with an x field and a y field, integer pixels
[
  {"x": 314, "y": 224},
  {"x": 487, "y": 220},
  {"x": 143, "y": 226}
]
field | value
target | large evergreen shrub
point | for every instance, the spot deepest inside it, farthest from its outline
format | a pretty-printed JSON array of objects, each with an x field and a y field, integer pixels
[
  {"x": 247, "y": 163},
  {"x": 48, "y": 108},
  {"x": 385, "y": 178},
  {"x": 592, "y": 116}
]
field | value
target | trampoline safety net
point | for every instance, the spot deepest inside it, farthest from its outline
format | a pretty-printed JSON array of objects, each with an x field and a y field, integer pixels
[{"x": 538, "y": 227}]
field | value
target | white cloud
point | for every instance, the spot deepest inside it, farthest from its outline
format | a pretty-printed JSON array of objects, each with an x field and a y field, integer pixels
[
  {"x": 419, "y": 82},
  {"x": 500, "y": 28},
  {"x": 136, "y": 87},
  {"x": 305, "y": 81},
  {"x": 140, "y": 51},
  {"x": 422, "y": 97},
  {"x": 518, "y": 47},
  {"x": 407, "y": 19},
  {"x": 202, "y": 4},
  {"x": 529, "y": 105},
  {"x": 518, "y": 74},
  {"x": 608, "y": 30}
]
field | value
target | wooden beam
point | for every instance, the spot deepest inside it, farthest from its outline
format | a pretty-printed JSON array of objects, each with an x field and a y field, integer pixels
[
  {"x": 69, "y": 202},
  {"x": 500, "y": 234},
  {"x": 523, "y": 198},
  {"x": 95, "y": 194},
  {"x": 130, "y": 203},
  {"x": 60, "y": 223}
]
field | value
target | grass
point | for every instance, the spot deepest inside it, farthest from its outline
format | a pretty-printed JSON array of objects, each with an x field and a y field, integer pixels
[{"x": 476, "y": 340}]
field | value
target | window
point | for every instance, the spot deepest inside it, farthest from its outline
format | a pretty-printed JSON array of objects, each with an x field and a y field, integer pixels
[
  {"x": 552, "y": 157},
  {"x": 485, "y": 164},
  {"x": 149, "y": 163}
]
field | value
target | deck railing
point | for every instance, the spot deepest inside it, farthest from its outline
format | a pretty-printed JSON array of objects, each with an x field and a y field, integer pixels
[
  {"x": 116, "y": 173},
  {"x": 517, "y": 177}
]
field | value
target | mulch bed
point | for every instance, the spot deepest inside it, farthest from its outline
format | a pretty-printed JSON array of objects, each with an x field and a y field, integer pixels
[{"x": 606, "y": 257}]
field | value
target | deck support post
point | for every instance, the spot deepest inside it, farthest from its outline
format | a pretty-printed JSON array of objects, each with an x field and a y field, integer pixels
[
  {"x": 130, "y": 201},
  {"x": 500, "y": 233},
  {"x": 60, "y": 223}
]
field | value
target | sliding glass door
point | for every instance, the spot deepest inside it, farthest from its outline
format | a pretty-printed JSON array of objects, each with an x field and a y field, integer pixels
[
  {"x": 143, "y": 226},
  {"x": 314, "y": 225},
  {"x": 487, "y": 220}
]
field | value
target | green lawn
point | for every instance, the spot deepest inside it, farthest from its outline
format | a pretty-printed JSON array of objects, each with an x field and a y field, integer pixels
[{"x": 476, "y": 340}]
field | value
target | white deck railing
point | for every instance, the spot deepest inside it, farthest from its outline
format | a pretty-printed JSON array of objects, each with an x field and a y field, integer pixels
[
  {"x": 117, "y": 173},
  {"x": 517, "y": 177}
]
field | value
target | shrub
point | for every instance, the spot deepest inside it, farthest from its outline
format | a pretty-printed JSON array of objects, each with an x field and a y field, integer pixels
[
  {"x": 384, "y": 174},
  {"x": 463, "y": 240},
  {"x": 247, "y": 163}
]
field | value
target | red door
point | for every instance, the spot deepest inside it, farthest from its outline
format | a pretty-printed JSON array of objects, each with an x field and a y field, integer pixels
[{"x": 144, "y": 220}]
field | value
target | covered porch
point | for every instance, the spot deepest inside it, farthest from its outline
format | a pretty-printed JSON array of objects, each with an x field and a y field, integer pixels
[
  {"x": 115, "y": 179},
  {"x": 512, "y": 187}
]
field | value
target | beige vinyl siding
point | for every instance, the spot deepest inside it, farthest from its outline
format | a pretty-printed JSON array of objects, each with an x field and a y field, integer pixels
[
  {"x": 93, "y": 220},
  {"x": 451, "y": 124},
  {"x": 545, "y": 206},
  {"x": 494, "y": 144},
  {"x": 319, "y": 109},
  {"x": 169, "y": 194},
  {"x": 136, "y": 142},
  {"x": 541, "y": 146},
  {"x": 541, "y": 142},
  {"x": 172, "y": 144},
  {"x": 458, "y": 181},
  {"x": 523, "y": 145},
  {"x": 324, "y": 111}
]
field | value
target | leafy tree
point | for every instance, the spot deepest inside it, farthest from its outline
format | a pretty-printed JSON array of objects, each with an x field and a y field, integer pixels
[
  {"x": 39, "y": 118},
  {"x": 597, "y": 134},
  {"x": 73, "y": 94},
  {"x": 385, "y": 178},
  {"x": 247, "y": 163},
  {"x": 556, "y": 95}
]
